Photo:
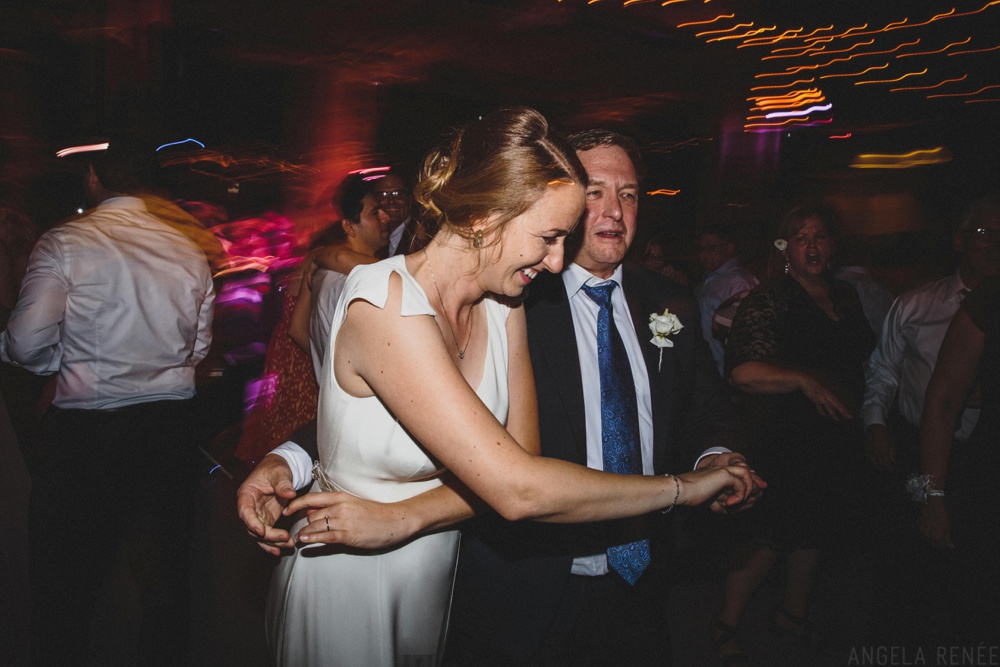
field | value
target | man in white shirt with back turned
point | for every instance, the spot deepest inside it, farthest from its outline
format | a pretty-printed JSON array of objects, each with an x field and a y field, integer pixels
[{"x": 118, "y": 305}]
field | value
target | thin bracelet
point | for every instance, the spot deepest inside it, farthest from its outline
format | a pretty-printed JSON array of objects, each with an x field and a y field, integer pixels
[{"x": 677, "y": 493}]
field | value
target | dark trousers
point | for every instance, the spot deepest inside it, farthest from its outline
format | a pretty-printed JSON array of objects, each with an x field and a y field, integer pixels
[
  {"x": 598, "y": 621},
  {"x": 604, "y": 621},
  {"x": 107, "y": 487}
]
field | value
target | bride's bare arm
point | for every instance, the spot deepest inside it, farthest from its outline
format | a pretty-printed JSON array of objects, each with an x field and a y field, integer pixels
[{"x": 404, "y": 361}]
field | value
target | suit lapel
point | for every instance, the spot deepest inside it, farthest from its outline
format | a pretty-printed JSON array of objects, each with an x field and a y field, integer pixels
[
  {"x": 662, "y": 376},
  {"x": 552, "y": 341}
]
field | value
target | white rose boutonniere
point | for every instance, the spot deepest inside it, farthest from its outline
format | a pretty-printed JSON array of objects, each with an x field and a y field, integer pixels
[
  {"x": 663, "y": 326},
  {"x": 780, "y": 244}
]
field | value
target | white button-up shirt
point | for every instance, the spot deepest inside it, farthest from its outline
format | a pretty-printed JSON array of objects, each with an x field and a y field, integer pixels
[
  {"x": 900, "y": 367},
  {"x": 117, "y": 303}
]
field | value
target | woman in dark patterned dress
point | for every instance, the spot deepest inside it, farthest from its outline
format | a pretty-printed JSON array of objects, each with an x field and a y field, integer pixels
[{"x": 796, "y": 352}]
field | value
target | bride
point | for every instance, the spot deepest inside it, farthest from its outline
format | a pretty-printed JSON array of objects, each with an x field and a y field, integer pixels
[{"x": 427, "y": 405}]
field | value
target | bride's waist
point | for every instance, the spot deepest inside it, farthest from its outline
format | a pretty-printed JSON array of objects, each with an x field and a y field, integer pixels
[{"x": 371, "y": 487}]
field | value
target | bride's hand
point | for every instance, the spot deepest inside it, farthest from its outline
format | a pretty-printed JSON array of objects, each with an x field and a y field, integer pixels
[
  {"x": 340, "y": 518},
  {"x": 727, "y": 487}
]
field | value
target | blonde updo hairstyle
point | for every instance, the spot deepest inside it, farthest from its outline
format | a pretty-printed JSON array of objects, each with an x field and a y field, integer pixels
[{"x": 491, "y": 171}]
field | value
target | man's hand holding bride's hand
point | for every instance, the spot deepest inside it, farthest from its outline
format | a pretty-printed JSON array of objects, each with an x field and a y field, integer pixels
[
  {"x": 726, "y": 481},
  {"x": 340, "y": 518},
  {"x": 260, "y": 500}
]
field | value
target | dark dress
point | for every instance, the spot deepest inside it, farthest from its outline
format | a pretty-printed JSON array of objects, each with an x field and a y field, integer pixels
[{"x": 809, "y": 461}]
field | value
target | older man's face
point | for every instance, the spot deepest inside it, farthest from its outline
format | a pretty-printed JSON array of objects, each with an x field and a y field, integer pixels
[{"x": 612, "y": 206}]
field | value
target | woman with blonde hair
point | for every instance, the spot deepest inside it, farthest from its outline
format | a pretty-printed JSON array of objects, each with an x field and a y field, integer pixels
[{"x": 427, "y": 396}]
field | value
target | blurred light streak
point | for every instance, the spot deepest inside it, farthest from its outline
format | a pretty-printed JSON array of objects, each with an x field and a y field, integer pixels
[
  {"x": 87, "y": 148},
  {"x": 870, "y": 53},
  {"x": 788, "y": 34},
  {"x": 793, "y": 48},
  {"x": 908, "y": 74},
  {"x": 767, "y": 74},
  {"x": 801, "y": 112},
  {"x": 850, "y": 48},
  {"x": 746, "y": 34},
  {"x": 963, "y": 94},
  {"x": 370, "y": 170},
  {"x": 182, "y": 141},
  {"x": 936, "y": 85},
  {"x": 840, "y": 136},
  {"x": 784, "y": 85},
  {"x": 801, "y": 52},
  {"x": 961, "y": 53},
  {"x": 801, "y": 98},
  {"x": 664, "y": 191},
  {"x": 671, "y": 2},
  {"x": 988, "y": 99},
  {"x": 838, "y": 76},
  {"x": 719, "y": 32},
  {"x": 931, "y": 53},
  {"x": 717, "y": 18},
  {"x": 938, "y": 155}
]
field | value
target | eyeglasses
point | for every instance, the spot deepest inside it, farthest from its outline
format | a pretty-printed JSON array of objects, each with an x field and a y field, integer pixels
[{"x": 386, "y": 195}]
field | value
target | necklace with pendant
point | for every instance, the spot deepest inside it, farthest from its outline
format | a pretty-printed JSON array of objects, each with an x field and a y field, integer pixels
[{"x": 472, "y": 317}]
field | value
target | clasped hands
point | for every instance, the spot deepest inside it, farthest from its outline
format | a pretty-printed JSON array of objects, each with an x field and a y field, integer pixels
[{"x": 745, "y": 490}]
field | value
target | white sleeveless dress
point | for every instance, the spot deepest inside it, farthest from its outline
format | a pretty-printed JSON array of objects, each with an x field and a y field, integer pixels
[{"x": 329, "y": 608}]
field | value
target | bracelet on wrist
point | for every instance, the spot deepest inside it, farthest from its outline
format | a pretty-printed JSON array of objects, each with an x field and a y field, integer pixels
[
  {"x": 677, "y": 493},
  {"x": 921, "y": 487}
]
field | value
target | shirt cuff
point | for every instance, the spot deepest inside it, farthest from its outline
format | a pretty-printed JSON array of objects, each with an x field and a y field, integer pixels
[
  {"x": 711, "y": 451},
  {"x": 298, "y": 460},
  {"x": 872, "y": 414}
]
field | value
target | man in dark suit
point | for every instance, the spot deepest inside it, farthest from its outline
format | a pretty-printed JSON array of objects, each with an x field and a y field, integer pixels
[{"x": 544, "y": 594}]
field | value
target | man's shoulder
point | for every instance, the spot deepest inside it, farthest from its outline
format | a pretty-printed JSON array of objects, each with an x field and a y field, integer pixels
[
  {"x": 935, "y": 289},
  {"x": 546, "y": 289},
  {"x": 655, "y": 292}
]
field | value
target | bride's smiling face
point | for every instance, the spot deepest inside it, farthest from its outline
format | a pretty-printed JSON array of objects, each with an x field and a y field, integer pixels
[{"x": 533, "y": 241}]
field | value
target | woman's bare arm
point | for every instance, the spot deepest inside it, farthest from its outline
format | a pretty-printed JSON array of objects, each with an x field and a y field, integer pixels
[
  {"x": 764, "y": 377},
  {"x": 406, "y": 363}
]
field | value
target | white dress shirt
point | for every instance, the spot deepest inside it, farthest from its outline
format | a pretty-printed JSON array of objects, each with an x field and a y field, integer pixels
[
  {"x": 117, "y": 303},
  {"x": 395, "y": 236},
  {"x": 585, "y": 313},
  {"x": 719, "y": 285},
  {"x": 901, "y": 365}
]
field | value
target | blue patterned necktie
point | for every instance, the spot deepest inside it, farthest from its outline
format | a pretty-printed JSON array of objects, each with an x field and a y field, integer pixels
[{"x": 619, "y": 421}]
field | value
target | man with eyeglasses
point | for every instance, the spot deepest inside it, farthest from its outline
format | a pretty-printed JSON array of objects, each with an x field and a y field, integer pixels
[
  {"x": 899, "y": 371},
  {"x": 393, "y": 194}
]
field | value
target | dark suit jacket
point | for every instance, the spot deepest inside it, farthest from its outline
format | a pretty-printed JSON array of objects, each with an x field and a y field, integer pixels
[{"x": 511, "y": 576}]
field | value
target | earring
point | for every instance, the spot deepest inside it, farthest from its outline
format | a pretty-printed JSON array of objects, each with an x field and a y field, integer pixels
[
  {"x": 786, "y": 268},
  {"x": 477, "y": 239}
]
